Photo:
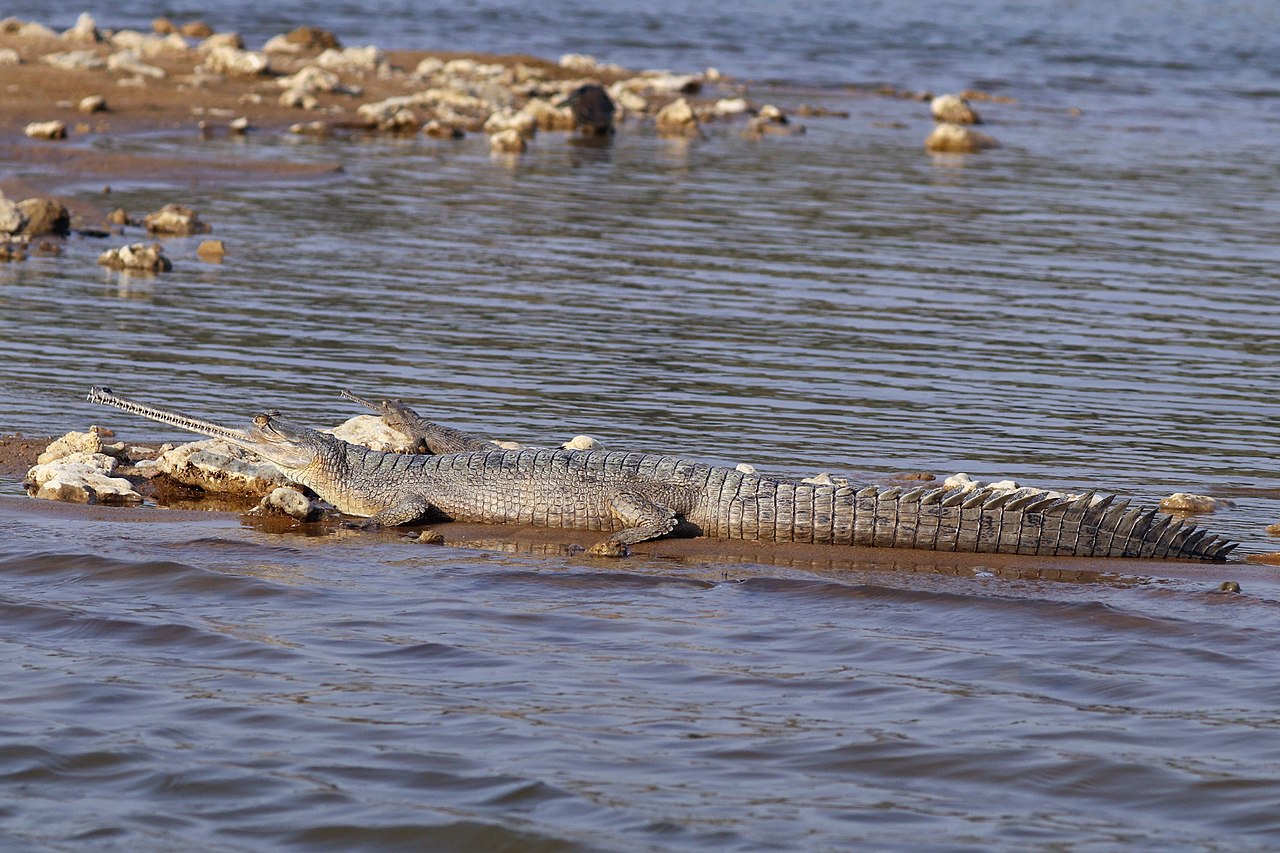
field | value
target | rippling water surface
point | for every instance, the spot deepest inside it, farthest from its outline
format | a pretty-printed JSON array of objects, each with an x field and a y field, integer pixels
[{"x": 1094, "y": 304}]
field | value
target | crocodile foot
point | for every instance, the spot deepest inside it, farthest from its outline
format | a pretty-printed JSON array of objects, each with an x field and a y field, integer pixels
[{"x": 609, "y": 549}]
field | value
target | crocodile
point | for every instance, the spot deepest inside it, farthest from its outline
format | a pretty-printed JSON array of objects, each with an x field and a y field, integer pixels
[
  {"x": 636, "y": 497},
  {"x": 425, "y": 436}
]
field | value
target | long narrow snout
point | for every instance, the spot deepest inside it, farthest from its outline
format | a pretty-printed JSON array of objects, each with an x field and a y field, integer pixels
[{"x": 105, "y": 397}]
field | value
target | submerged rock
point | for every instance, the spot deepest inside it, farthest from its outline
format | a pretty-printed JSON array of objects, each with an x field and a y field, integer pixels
[
  {"x": 678, "y": 119},
  {"x": 137, "y": 256},
  {"x": 548, "y": 116},
  {"x": 175, "y": 219},
  {"x": 957, "y": 139},
  {"x": 507, "y": 141},
  {"x": 211, "y": 250},
  {"x": 81, "y": 477},
  {"x": 772, "y": 120},
  {"x": 523, "y": 123},
  {"x": 219, "y": 467},
  {"x": 436, "y": 129}
]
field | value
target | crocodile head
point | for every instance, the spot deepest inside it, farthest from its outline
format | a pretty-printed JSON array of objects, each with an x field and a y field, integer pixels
[{"x": 290, "y": 446}]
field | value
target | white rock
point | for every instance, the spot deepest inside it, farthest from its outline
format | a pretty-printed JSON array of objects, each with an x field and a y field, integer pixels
[
  {"x": 429, "y": 67},
  {"x": 523, "y": 123},
  {"x": 393, "y": 114},
  {"x": 664, "y": 81},
  {"x": 353, "y": 59},
  {"x": 236, "y": 62},
  {"x": 127, "y": 62},
  {"x": 287, "y": 500},
  {"x": 12, "y": 219},
  {"x": 148, "y": 44},
  {"x": 30, "y": 29},
  {"x": 297, "y": 98},
  {"x": 745, "y": 468},
  {"x": 548, "y": 116},
  {"x": 1004, "y": 486},
  {"x": 579, "y": 62},
  {"x": 372, "y": 432},
  {"x": 960, "y": 481},
  {"x": 220, "y": 40},
  {"x": 627, "y": 99},
  {"x": 175, "y": 219},
  {"x": 92, "y": 104},
  {"x": 582, "y": 442},
  {"x": 46, "y": 130},
  {"x": 508, "y": 445},
  {"x": 72, "y": 442},
  {"x": 677, "y": 119},
  {"x": 731, "y": 106},
  {"x": 9, "y": 56},
  {"x": 75, "y": 60},
  {"x": 138, "y": 257},
  {"x": 312, "y": 79},
  {"x": 1187, "y": 502},
  {"x": 281, "y": 44},
  {"x": 954, "y": 109},
  {"x": 80, "y": 478},
  {"x": 220, "y": 467},
  {"x": 85, "y": 29}
]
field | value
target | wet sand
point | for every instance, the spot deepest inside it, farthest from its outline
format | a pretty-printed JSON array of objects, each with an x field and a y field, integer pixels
[{"x": 699, "y": 557}]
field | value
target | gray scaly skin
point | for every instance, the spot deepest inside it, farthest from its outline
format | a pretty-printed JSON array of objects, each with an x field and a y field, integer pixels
[
  {"x": 639, "y": 496},
  {"x": 424, "y": 435}
]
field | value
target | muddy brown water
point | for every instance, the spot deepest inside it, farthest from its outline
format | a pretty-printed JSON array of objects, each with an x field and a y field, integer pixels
[{"x": 1093, "y": 305}]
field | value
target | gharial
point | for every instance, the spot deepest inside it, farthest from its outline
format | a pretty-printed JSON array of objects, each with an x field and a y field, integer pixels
[{"x": 641, "y": 496}]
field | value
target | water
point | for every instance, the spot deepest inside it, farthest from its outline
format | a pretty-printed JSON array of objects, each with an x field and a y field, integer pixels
[{"x": 1092, "y": 305}]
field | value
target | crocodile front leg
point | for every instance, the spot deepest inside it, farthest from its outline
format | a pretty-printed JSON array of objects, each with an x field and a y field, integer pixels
[
  {"x": 644, "y": 519},
  {"x": 406, "y": 508}
]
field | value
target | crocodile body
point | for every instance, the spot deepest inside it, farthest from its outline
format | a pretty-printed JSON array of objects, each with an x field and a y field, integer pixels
[{"x": 639, "y": 496}]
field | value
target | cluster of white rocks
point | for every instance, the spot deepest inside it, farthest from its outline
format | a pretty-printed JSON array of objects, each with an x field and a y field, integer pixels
[{"x": 507, "y": 101}]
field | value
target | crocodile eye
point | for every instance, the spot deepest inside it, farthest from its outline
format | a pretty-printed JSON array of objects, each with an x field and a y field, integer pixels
[{"x": 262, "y": 420}]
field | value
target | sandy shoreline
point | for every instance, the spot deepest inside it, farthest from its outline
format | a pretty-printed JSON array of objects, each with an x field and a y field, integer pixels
[{"x": 190, "y": 99}]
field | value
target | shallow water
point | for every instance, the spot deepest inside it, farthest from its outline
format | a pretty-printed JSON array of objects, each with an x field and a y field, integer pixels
[{"x": 1093, "y": 305}]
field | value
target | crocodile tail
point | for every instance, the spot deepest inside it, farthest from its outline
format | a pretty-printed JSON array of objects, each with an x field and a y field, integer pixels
[{"x": 983, "y": 521}]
